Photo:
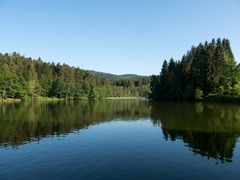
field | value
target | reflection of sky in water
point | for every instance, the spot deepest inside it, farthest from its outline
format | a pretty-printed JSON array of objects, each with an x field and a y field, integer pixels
[
  {"x": 108, "y": 144},
  {"x": 113, "y": 149}
]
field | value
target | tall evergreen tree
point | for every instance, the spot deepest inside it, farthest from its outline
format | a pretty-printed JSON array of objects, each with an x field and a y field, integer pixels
[{"x": 208, "y": 69}]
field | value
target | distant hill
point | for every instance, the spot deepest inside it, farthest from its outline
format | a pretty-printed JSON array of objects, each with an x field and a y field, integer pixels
[{"x": 114, "y": 77}]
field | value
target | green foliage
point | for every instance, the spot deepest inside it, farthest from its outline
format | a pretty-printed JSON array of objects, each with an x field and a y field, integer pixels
[
  {"x": 198, "y": 94},
  {"x": 205, "y": 69},
  {"x": 25, "y": 78},
  {"x": 11, "y": 86},
  {"x": 59, "y": 88},
  {"x": 93, "y": 93}
]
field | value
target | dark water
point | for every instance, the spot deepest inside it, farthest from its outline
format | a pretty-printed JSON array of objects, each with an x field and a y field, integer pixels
[{"x": 119, "y": 140}]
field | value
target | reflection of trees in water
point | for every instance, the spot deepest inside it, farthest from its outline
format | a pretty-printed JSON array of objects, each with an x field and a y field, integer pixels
[
  {"x": 216, "y": 145},
  {"x": 208, "y": 129},
  {"x": 26, "y": 122}
]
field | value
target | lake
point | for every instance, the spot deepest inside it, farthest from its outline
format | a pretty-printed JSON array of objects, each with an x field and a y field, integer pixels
[{"x": 119, "y": 139}]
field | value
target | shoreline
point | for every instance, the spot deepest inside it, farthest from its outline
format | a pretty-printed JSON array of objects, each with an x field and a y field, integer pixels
[
  {"x": 217, "y": 99},
  {"x": 45, "y": 99}
]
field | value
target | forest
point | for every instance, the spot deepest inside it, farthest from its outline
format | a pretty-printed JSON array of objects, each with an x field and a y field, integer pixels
[
  {"x": 30, "y": 79},
  {"x": 208, "y": 71}
]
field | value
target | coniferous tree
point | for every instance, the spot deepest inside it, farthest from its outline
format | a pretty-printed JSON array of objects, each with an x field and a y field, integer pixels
[{"x": 208, "y": 69}]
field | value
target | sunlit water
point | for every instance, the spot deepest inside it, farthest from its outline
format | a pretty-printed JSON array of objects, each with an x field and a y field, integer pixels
[{"x": 127, "y": 139}]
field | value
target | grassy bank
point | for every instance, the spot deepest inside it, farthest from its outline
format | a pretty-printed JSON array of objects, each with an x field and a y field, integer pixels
[
  {"x": 47, "y": 99},
  {"x": 124, "y": 98},
  {"x": 210, "y": 98},
  {"x": 10, "y": 100},
  {"x": 38, "y": 99}
]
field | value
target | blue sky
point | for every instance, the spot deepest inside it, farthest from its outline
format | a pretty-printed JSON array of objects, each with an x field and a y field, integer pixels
[{"x": 116, "y": 36}]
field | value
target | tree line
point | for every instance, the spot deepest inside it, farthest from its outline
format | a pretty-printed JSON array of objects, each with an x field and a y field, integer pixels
[
  {"x": 26, "y": 78},
  {"x": 208, "y": 70}
]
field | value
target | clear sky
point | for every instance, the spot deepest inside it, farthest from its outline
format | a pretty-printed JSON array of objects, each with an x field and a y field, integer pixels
[{"x": 116, "y": 36}]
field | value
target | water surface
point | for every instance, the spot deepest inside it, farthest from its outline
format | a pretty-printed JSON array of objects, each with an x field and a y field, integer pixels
[{"x": 114, "y": 139}]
